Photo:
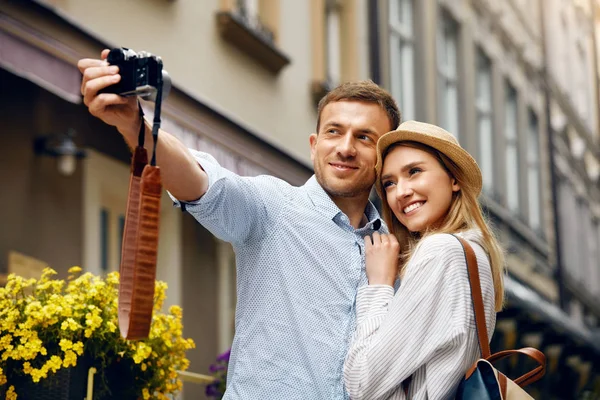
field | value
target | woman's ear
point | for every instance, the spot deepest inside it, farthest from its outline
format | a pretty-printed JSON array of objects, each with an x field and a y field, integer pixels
[{"x": 455, "y": 185}]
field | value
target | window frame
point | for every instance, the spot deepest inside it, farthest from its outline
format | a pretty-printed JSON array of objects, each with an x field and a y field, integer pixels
[
  {"x": 484, "y": 111},
  {"x": 511, "y": 142},
  {"x": 534, "y": 179},
  {"x": 401, "y": 37},
  {"x": 448, "y": 76}
]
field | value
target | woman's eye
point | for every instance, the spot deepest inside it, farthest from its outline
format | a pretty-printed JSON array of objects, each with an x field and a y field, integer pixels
[
  {"x": 413, "y": 171},
  {"x": 387, "y": 184}
]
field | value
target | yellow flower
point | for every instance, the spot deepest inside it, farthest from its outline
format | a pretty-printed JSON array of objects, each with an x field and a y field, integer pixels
[
  {"x": 70, "y": 359},
  {"x": 70, "y": 315},
  {"x": 78, "y": 348},
  {"x": 10, "y": 393},
  {"x": 65, "y": 344},
  {"x": 74, "y": 270},
  {"x": 27, "y": 367},
  {"x": 176, "y": 311}
]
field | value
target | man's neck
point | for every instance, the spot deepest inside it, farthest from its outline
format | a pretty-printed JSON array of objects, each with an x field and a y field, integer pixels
[{"x": 354, "y": 208}]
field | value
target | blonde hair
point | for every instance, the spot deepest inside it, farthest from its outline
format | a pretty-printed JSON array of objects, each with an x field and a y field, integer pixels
[{"x": 464, "y": 214}]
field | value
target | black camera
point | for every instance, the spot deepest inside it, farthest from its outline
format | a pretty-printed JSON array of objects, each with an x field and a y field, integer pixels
[{"x": 139, "y": 74}]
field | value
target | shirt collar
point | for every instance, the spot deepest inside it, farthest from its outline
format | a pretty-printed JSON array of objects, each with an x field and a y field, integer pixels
[{"x": 327, "y": 207}]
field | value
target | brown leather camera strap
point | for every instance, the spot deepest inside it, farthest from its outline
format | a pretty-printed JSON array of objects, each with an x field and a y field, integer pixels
[
  {"x": 140, "y": 242},
  {"x": 482, "y": 335}
]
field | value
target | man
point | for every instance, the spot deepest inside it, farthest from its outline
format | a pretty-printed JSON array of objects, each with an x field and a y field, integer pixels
[{"x": 300, "y": 250}]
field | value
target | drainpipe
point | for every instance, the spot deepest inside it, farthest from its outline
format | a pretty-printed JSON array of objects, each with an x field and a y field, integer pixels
[
  {"x": 374, "y": 50},
  {"x": 559, "y": 273},
  {"x": 594, "y": 8}
]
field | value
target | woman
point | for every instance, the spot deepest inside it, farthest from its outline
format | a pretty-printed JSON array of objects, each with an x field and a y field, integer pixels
[{"x": 419, "y": 342}]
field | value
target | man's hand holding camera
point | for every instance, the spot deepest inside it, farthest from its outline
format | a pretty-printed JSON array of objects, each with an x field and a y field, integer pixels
[
  {"x": 115, "y": 110},
  {"x": 181, "y": 174}
]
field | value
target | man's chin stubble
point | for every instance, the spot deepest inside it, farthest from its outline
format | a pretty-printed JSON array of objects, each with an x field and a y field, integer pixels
[{"x": 348, "y": 193}]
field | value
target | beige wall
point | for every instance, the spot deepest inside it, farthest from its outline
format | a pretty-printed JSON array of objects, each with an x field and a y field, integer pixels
[{"x": 184, "y": 34}]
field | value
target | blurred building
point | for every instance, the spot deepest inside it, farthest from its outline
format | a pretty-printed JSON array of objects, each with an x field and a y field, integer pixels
[
  {"x": 246, "y": 75},
  {"x": 517, "y": 81}
]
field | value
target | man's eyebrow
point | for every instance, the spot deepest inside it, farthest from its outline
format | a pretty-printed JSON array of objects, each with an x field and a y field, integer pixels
[
  {"x": 368, "y": 131},
  {"x": 333, "y": 123}
]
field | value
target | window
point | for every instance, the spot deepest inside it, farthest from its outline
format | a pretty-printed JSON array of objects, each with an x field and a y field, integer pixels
[
  {"x": 333, "y": 43},
  {"x": 569, "y": 221},
  {"x": 582, "y": 215},
  {"x": 533, "y": 173},
  {"x": 592, "y": 277},
  {"x": 252, "y": 12},
  {"x": 595, "y": 265},
  {"x": 582, "y": 86},
  {"x": 483, "y": 105},
  {"x": 447, "y": 61},
  {"x": 249, "y": 9},
  {"x": 252, "y": 26},
  {"x": 111, "y": 229},
  {"x": 402, "y": 56},
  {"x": 227, "y": 294},
  {"x": 512, "y": 150}
]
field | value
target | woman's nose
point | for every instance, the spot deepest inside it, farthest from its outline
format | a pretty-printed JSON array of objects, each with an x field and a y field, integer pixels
[{"x": 403, "y": 189}]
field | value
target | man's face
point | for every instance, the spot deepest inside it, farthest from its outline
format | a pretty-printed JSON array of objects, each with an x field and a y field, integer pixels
[{"x": 344, "y": 150}]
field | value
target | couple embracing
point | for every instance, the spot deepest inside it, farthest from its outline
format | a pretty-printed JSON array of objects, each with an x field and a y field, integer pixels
[{"x": 333, "y": 303}]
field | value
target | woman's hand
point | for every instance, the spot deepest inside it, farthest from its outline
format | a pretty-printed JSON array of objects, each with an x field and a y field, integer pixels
[{"x": 382, "y": 259}]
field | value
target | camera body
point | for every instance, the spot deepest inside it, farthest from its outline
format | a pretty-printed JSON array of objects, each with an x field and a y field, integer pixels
[{"x": 140, "y": 74}]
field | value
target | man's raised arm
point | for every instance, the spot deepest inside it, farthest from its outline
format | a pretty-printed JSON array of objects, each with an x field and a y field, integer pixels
[{"x": 181, "y": 174}]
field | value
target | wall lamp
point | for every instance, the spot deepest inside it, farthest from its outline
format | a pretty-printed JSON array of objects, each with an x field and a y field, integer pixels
[{"x": 63, "y": 148}]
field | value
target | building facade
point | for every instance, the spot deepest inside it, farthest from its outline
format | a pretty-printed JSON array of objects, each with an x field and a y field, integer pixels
[
  {"x": 517, "y": 82},
  {"x": 246, "y": 78}
]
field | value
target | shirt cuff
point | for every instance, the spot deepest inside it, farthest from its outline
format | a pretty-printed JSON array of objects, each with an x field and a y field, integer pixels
[
  {"x": 210, "y": 166},
  {"x": 372, "y": 301}
]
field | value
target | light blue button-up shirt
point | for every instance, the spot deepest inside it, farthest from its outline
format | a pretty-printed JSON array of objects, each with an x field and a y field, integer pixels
[{"x": 299, "y": 265}]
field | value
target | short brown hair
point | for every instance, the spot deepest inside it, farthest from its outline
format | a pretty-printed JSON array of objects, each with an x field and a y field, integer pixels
[{"x": 366, "y": 91}]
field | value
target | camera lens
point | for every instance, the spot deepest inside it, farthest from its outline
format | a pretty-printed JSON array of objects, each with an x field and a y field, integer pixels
[{"x": 115, "y": 56}]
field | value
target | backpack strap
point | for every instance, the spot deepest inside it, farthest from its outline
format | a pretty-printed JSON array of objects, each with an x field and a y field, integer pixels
[
  {"x": 484, "y": 345},
  {"x": 477, "y": 297},
  {"x": 530, "y": 352}
]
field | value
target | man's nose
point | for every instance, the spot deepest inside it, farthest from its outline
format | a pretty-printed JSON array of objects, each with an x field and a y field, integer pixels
[{"x": 347, "y": 146}]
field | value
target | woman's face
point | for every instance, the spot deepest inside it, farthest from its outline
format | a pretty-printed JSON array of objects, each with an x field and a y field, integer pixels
[{"x": 417, "y": 188}]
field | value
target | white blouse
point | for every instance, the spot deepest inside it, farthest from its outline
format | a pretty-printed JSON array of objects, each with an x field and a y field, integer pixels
[{"x": 426, "y": 330}]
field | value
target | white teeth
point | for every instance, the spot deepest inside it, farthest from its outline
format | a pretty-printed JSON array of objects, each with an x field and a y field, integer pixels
[{"x": 412, "y": 207}]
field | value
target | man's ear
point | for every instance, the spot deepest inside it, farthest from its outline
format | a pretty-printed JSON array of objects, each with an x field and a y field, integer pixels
[{"x": 312, "y": 139}]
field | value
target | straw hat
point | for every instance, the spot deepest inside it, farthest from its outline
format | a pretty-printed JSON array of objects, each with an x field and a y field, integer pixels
[{"x": 432, "y": 136}]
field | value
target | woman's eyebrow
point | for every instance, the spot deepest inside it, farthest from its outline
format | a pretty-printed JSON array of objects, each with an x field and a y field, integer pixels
[{"x": 404, "y": 168}]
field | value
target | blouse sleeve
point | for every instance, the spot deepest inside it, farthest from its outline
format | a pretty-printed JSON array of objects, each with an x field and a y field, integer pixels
[{"x": 394, "y": 340}]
